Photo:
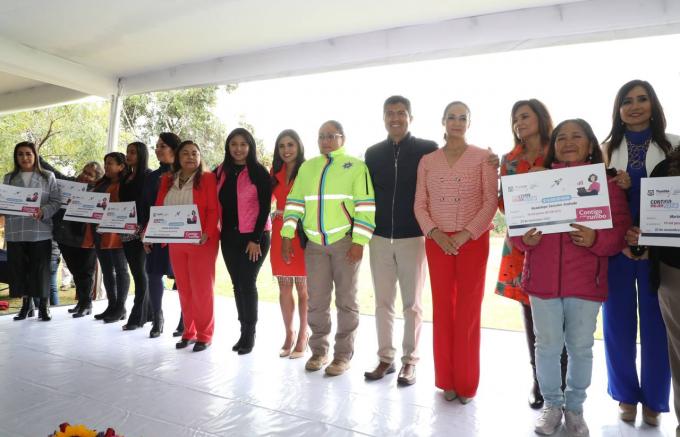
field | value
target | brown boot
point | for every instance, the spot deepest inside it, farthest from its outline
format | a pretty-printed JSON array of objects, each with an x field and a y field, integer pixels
[{"x": 380, "y": 371}]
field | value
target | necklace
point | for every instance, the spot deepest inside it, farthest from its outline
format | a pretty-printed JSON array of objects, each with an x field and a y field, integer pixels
[{"x": 183, "y": 180}]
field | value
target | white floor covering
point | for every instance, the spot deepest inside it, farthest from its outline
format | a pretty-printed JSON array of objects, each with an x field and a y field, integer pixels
[{"x": 83, "y": 371}]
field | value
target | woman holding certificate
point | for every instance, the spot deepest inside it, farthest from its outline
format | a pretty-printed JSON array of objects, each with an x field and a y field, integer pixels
[
  {"x": 245, "y": 193},
  {"x": 531, "y": 129},
  {"x": 456, "y": 200},
  {"x": 193, "y": 264},
  {"x": 29, "y": 239},
  {"x": 565, "y": 276},
  {"x": 637, "y": 142},
  {"x": 132, "y": 190},
  {"x": 109, "y": 246}
]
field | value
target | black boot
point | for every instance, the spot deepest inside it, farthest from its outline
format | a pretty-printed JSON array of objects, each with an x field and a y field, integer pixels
[
  {"x": 180, "y": 328},
  {"x": 535, "y": 397},
  {"x": 44, "y": 310},
  {"x": 83, "y": 310},
  {"x": 247, "y": 342},
  {"x": 26, "y": 309},
  {"x": 157, "y": 327},
  {"x": 116, "y": 314},
  {"x": 237, "y": 345},
  {"x": 107, "y": 311},
  {"x": 75, "y": 309}
]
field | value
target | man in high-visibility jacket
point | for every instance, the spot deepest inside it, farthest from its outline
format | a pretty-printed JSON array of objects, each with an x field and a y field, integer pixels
[{"x": 333, "y": 196}]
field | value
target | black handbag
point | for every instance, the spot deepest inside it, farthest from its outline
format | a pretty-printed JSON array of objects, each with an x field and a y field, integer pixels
[{"x": 301, "y": 234}]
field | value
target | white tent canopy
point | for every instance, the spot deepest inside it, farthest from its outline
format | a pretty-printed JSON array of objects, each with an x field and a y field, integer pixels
[{"x": 55, "y": 52}]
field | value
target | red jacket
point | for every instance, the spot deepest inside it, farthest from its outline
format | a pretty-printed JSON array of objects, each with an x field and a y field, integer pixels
[
  {"x": 205, "y": 199},
  {"x": 556, "y": 267}
]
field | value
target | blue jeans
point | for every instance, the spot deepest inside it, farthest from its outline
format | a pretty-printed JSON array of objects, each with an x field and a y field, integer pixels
[
  {"x": 54, "y": 291},
  {"x": 559, "y": 322}
]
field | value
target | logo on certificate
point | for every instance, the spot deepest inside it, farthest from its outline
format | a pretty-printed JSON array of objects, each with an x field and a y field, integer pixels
[{"x": 593, "y": 213}]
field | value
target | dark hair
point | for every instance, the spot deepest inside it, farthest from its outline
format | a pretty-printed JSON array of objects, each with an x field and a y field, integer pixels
[
  {"x": 170, "y": 139},
  {"x": 36, "y": 164},
  {"x": 592, "y": 176},
  {"x": 98, "y": 170},
  {"x": 278, "y": 161},
  {"x": 176, "y": 167},
  {"x": 674, "y": 162},
  {"x": 336, "y": 124},
  {"x": 657, "y": 122},
  {"x": 545, "y": 123},
  {"x": 120, "y": 160},
  {"x": 142, "y": 158},
  {"x": 393, "y": 100},
  {"x": 595, "y": 157},
  {"x": 455, "y": 102},
  {"x": 251, "y": 159}
]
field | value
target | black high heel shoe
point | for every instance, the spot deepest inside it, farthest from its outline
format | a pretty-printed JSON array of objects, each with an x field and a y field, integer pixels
[
  {"x": 105, "y": 313},
  {"x": 44, "y": 310},
  {"x": 157, "y": 327},
  {"x": 27, "y": 309},
  {"x": 84, "y": 310},
  {"x": 115, "y": 316},
  {"x": 75, "y": 309}
]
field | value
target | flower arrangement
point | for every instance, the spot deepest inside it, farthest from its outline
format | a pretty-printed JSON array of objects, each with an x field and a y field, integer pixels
[{"x": 66, "y": 430}]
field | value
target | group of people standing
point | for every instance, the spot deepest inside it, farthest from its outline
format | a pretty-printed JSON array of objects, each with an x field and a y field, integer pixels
[{"x": 414, "y": 205}]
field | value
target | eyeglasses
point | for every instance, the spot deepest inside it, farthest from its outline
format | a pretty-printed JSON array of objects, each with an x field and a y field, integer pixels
[{"x": 329, "y": 137}]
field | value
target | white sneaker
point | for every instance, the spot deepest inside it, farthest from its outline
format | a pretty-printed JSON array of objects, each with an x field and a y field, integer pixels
[
  {"x": 549, "y": 421},
  {"x": 576, "y": 424}
]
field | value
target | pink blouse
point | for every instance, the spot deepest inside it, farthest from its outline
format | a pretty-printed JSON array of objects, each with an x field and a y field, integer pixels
[{"x": 462, "y": 197}]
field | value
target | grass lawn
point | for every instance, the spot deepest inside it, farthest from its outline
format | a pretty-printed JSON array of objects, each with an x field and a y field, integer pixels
[{"x": 497, "y": 312}]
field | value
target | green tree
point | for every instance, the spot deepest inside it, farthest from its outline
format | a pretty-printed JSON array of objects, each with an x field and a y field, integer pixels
[
  {"x": 67, "y": 136},
  {"x": 190, "y": 113}
]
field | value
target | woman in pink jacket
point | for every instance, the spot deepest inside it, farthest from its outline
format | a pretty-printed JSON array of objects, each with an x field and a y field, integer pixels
[{"x": 565, "y": 275}]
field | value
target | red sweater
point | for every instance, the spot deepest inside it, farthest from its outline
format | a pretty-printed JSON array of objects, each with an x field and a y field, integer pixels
[
  {"x": 556, "y": 267},
  {"x": 205, "y": 199}
]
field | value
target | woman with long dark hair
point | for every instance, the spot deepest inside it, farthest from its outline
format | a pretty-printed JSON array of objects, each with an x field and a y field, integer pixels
[
  {"x": 289, "y": 154},
  {"x": 245, "y": 192},
  {"x": 565, "y": 276},
  {"x": 29, "y": 239},
  {"x": 109, "y": 247},
  {"x": 194, "y": 264},
  {"x": 157, "y": 255},
  {"x": 636, "y": 143},
  {"x": 531, "y": 129},
  {"x": 132, "y": 190}
]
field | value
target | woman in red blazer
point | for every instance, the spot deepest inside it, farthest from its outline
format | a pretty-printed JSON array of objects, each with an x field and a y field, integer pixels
[{"x": 194, "y": 264}]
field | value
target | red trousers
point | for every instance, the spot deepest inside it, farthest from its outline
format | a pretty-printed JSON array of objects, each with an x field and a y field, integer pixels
[
  {"x": 457, "y": 290},
  {"x": 194, "y": 269}
]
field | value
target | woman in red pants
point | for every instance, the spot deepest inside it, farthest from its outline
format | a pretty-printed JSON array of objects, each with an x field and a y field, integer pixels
[
  {"x": 456, "y": 200},
  {"x": 194, "y": 264}
]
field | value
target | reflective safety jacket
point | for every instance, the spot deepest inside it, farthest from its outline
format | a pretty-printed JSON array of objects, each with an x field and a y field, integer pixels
[{"x": 333, "y": 196}]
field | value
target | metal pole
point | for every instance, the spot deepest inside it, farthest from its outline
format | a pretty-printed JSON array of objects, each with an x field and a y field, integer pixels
[{"x": 114, "y": 121}]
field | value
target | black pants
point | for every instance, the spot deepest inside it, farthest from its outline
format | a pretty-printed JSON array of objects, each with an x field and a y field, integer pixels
[
  {"x": 29, "y": 268},
  {"x": 531, "y": 342},
  {"x": 136, "y": 259},
  {"x": 115, "y": 275},
  {"x": 81, "y": 263},
  {"x": 243, "y": 273}
]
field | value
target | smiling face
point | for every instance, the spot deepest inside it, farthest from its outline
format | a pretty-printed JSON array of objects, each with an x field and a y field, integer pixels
[
  {"x": 456, "y": 121},
  {"x": 131, "y": 156},
  {"x": 636, "y": 109},
  {"x": 288, "y": 149},
  {"x": 525, "y": 122},
  {"x": 572, "y": 144},
  {"x": 88, "y": 175},
  {"x": 25, "y": 158},
  {"x": 330, "y": 139},
  {"x": 164, "y": 153},
  {"x": 238, "y": 149},
  {"x": 189, "y": 158},
  {"x": 112, "y": 169},
  {"x": 397, "y": 120}
]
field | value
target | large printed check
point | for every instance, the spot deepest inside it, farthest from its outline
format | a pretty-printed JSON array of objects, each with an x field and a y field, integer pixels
[
  {"x": 68, "y": 188},
  {"x": 173, "y": 224},
  {"x": 19, "y": 200},
  {"x": 551, "y": 200},
  {"x": 119, "y": 218},
  {"x": 660, "y": 211},
  {"x": 87, "y": 207}
]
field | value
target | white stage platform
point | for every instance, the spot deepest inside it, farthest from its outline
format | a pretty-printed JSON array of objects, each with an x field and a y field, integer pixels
[{"x": 83, "y": 371}]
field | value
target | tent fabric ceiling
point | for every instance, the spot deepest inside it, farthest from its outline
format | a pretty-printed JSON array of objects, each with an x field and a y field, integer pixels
[{"x": 56, "y": 51}]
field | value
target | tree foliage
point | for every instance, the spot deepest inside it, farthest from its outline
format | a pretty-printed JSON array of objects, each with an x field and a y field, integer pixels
[{"x": 68, "y": 136}]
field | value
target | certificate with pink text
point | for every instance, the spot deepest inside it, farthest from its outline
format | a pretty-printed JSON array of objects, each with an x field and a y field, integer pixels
[
  {"x": 551, "y": 200},
  {"x": 173, "y": 224}
]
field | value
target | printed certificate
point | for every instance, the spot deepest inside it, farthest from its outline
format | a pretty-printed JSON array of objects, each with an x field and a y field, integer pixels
[
  {"x": 173, "y": 224},
  {"x": 87, "y": 207},
  {"x": 68, "y": 188},
  {"x": 660, "y": 211},
  {"x": 119, "y": 218},
  {"x": 551, "y": 200},
  {"x": 19, "y": 200}
]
